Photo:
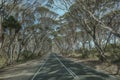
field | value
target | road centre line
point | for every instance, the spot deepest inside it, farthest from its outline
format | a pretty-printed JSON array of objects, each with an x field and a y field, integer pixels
[
  {"x": 68, "y": 69},
  {"x": 41, "y": 66}
]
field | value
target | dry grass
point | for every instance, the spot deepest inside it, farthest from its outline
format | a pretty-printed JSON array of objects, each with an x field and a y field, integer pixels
[
  {"x": 100, "y": 66},
  {"x": 2, "y": 61},
  {"x": 21, "y": 71}
]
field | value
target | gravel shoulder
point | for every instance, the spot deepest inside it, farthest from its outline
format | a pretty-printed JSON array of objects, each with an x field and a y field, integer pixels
[{"x": 23, "y": 71}]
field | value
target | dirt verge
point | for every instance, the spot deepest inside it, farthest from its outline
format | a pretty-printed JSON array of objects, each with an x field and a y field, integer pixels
[{"x": 23, "y": 71}]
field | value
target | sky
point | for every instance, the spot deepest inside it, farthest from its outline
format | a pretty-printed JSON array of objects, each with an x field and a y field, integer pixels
[
  {"x": 44, "y": 3},
  {"x": 57, "y": 7}
]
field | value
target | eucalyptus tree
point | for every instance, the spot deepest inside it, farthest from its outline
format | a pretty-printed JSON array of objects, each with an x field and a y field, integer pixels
[
  {"x": 96, "y": 12},
  {"x": 14, "y": 19},
  {"x": 3, "y": 5},
  {"x": 27, "y": 28},
  {"x": 112, "y": 19},
  {"x": 9, "y": 26},
  {"x": 81, "y": 17},
  {"x": 75, "y": 35},
  {"x": 88, "y": 14},
  {"x": 12, "y": 27},
  {"x": 65, "y": 37},
  {"x": 46, "y": 18},
  {"x": 100, "y": 7}
]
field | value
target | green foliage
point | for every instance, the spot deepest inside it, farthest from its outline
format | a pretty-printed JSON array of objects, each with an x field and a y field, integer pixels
[
  {"x": 11, "y": 23},
  {"x": 2, "y": 61}
]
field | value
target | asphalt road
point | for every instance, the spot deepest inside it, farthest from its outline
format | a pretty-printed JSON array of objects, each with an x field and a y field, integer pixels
[{"x": 58, "y": 68}]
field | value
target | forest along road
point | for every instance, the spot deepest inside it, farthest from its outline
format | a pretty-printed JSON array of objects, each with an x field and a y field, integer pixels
[{"x": 59, "y": 68}]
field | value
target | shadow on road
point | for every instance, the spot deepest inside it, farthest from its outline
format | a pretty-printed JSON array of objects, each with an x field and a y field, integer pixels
[{"x": 53, "y": 70}]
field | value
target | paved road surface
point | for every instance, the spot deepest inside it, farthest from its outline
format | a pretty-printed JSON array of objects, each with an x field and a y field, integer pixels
[{"x": 58, "y": 68}]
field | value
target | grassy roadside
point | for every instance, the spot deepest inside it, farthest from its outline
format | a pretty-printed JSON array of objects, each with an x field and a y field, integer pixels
[
  {"x": 96, "y": 64},
  {"x": 2, "y": 61},
  {"x": 22, "y": 70},
  {"x": 91, "y": 58},
  {"x": 23, "y": 59}
]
